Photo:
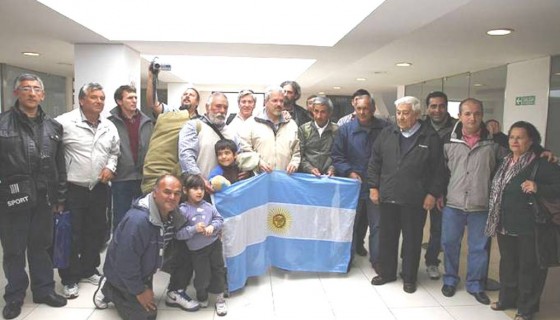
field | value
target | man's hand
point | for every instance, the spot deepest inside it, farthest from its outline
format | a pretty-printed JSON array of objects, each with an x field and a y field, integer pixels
[
  {"x": 106, "y": 175},
  {"x": 440, "y": 203},
  {"x": 354, "y": 175},
  {"x": 330, "y": 172},
  {"x": 316, "y": 172},
  {"x": 146, "y": 299},
  {"x": 549, "y": 156},
  {"x": 291, "y": 168},
  {"x": 243, "y": 175},
  {"x": 264, "y": 166},
  {"x": 374, "y": 195},
  {"x": 208, "y": 186},
  {"x": 429, "y": 202}
]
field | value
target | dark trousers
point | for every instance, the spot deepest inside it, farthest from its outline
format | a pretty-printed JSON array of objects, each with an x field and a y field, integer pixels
[
  {"x": 179, "y": 265},
  {"x": 88, "y": 211},
  {"x": 209, "y": 270},
  {"x": 123, "y": 194},
  {"x": 522, "y": 281},
  {"x": 127, "y": 304},
  {"x": 31, "y": 231},
  {"x": 434, "y": 244},
  {"x": 409, "y": 220}
]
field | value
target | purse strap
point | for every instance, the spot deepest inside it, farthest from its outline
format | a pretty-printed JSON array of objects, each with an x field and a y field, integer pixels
[{"x": 534, "y": 171}]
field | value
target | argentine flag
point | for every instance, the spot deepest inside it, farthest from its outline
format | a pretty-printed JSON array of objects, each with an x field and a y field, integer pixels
[{"x": 295, "y": 222}]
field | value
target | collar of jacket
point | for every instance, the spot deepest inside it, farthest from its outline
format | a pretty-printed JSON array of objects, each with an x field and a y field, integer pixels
[
  {"x": 23, "y": 117},
  {"x": 457, "y": 133}
]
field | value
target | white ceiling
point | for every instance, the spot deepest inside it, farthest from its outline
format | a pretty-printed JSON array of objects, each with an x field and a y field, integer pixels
[{"x": 439, "y": 37}]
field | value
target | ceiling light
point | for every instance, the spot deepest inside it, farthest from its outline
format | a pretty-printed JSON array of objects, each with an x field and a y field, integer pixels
[
  {"x": 478, "y": 85},
  {"x": 557, "y": 74},
  {"x": 360, "y": 79},
  {"x": 499, "y": 32},
  {"x": 336, "y": 88},
  {"x": 403, "y": 64},
  {"x": 321, "y": 92},
  {"x": 31, "y": 54},
  {"x": 225, "y": 16}
]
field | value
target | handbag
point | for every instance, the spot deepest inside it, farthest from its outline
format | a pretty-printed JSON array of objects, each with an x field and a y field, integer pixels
[
  {"x": 62, "y": 240},
  {"x": 547, "y": 245},
  {"x": 17, "y": 193},
  {"x": 545, "y": 210}
]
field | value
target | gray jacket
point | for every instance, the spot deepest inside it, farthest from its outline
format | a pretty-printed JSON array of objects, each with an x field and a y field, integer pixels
[
  {"x": 126, "y": 168},
  {"x": 470, "y": 171}
]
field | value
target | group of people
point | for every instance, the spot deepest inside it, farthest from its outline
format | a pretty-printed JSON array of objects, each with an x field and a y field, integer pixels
[{"x": 455, "y": 170}]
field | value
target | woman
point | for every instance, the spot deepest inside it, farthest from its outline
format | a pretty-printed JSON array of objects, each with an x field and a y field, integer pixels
[{"x": 512, "y": 220}]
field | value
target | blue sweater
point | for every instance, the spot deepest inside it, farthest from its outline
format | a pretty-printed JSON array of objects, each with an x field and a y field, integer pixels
[{"x": 203, "y": 212}]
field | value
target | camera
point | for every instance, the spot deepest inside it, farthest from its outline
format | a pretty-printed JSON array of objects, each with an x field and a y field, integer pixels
[{"x": 158, "y": 66}]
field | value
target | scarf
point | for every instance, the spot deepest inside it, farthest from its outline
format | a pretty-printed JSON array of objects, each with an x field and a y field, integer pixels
[{"x": 505, "y": 172}]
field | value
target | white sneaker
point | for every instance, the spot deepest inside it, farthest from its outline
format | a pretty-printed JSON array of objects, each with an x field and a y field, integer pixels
[
  {"x": 221, "y": 307},
  {"x": 94, "y": 279},
  {"x": 203, "y": 304},
  {"x": 98, "y": 297},
  {"x": 180, "y": 299},
  {"x": 71, "y": 291},
  {"x": 433, "y": 272}
]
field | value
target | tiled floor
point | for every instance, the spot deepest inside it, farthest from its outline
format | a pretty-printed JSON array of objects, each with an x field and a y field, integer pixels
[{"x": 286, "y": 295}]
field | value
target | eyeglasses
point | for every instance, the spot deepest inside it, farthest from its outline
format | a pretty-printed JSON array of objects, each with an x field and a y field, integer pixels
[
  {"x": 29, "y": 89},
  {"x": 246, "y": 91}
]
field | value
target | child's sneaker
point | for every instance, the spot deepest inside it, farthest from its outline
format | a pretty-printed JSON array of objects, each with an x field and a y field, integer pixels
[
  {"x": 180, "y": 299},
  {"x": 221, "y": 307}
]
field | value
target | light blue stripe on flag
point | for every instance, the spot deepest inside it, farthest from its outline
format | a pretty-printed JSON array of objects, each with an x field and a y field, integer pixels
[{"x": 296, "y": 222}]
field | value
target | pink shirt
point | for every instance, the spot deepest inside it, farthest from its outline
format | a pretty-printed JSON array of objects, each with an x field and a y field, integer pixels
[{"x": 471, "y": 139}]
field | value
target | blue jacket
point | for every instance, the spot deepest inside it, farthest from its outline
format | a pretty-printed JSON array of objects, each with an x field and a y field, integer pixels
[
  {"x": 352, "y": 149},
  {"x": 136, "y": 250}
]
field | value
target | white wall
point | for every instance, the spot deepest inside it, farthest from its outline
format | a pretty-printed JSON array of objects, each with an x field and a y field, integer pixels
[{"x": 527, "y": 78}]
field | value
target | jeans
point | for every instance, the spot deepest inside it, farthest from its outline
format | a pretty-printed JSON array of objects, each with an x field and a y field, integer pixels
[
  {"x": 31, "y": 231},
  {"x": 124, "y": 193},
  {"x": 454, "y": 222},
  {"x": 434, "y": 244}
]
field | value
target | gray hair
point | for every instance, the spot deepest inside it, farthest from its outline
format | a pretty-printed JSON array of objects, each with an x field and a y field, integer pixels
[
  {"x": 246, "y": 92},
  {"x": 215, "y": 94},
  {"x": 413, "y": 101},
  {"x": 324, "y": 101},
  {"x": 295, "y": 87},
  {"x": 27, "y": 77},
  {"x": 268, "y": 91},
  {"x": 369, "y": 98},
  {"x": 87, "y": 88}
]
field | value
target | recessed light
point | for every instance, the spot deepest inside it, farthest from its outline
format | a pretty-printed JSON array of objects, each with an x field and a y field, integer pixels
[
  {"x": 557, "y": 74},
  {"x": 31, "y": 54},
  {"x": 321, "y": 92},
  {"x": 403, "y": 64},
  {"x": 360, "y": 79},
  {"x": 336, "y": 88},
  {"x": 499, "y": 32},
  {"x": 478, "y": 85}
]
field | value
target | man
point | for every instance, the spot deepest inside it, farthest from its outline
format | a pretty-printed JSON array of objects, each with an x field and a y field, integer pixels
[
  {"x": 198, "y": 137},
  {"x": 471, "y": 155},
  {"x": 292, "y": 93},
  {"x": 350, "y": 154},
  {"x": 135, "y": 130},
  {"x": 30, "y": 146},
  {"x": 349, "y": 117},
  {"x": 405, "y": 178},
  {"x": 135, "y": 252},
  {"x": 316, "y": 139},
  {"x": 272, "y": 136},
  {"x": 246, "y": 102},
  {"x": 493, "y": 126},
  {"x": 91, "y": 150},
  {"x": 443, "y": 123},
  {"x": 189, "y": 100},
  {"x": 309, "y": 103}
]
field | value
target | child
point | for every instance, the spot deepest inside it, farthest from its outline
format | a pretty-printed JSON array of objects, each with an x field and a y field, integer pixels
[
  {"x": 201, "y": 232},
  {"x": 226, "y": 151}
]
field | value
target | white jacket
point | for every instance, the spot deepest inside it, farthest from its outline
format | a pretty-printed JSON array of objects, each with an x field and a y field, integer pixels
[{"x": 88, "y": 151}]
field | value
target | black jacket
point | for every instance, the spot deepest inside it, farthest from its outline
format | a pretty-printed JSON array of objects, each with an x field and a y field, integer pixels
[
  {"x": 406, "y": 179},
  {"x": 41, "y": 157}
]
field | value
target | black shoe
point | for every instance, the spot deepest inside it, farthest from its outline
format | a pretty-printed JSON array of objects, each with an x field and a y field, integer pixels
[
  {"x": 409, "y": 287},
  {"x": 361, "y": 251},
  {"x": 52, "y": 299},
  {"x": 12, "y": 310},
  {"x": 481, "y": 297},
  {"x": 379, "y": 280},
  {"x": 448, "y": 291}
]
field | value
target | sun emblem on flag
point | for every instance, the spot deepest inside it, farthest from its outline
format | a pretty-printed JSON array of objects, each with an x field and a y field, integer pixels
[{"x": 279, "y": 220}]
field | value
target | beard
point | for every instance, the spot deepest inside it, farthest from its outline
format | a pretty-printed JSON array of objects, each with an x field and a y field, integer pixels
[{"x": 217, "y": 119}]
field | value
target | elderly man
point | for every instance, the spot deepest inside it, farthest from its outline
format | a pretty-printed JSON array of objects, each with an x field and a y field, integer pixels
[
  {"x": 493, "y": 126},
  {"x": 246, "y": 101},
  {"x": 405, "y": 176},
  {"x": 316, "y": 139},
  {"x": 135, "y": 252},
  {"x": 350, "y": 154},
  {"x": 274, "y": 138},
  {"x": 349, "y": 117},
  {"x": 443, "y": 123},
  {"x": 91, "y": 150},
  {"x": 189, "y": 100},
  {"x": 24, "y": 165},
  {"x": 135, "y": 130},
  {"x": 292, "y": 92}
]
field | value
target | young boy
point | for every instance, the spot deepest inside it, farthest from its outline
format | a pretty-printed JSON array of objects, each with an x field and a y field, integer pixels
[
  {"x": 201, "y": 232},
  {"x": 226, "y": 153}
]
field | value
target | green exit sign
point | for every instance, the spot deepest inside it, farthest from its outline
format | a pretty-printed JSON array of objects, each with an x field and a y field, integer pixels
[{"x": 525, "y": 101}]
